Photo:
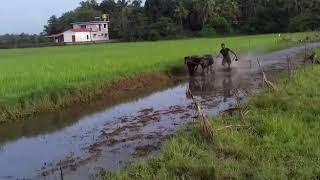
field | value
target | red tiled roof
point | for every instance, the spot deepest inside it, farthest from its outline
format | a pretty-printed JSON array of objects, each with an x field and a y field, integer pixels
[{"x": 80, "y": 30}]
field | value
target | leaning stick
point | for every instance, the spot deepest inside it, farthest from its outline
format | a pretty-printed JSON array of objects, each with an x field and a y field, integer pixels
[
  {"x": 290, "y": 66},
  {"x": 206, "y": 128},
  {"x": 265, "y": 79},
  {"x": 61, "y": 171}
]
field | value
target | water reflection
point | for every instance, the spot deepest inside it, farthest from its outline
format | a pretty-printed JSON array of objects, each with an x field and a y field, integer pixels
[
  {"x": 200, "y": 85},
  {"x": 227, "y": 87},
  {"x": 217, "y": 85}
]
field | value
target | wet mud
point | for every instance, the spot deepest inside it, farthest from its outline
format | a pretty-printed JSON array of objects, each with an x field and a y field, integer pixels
[{"x": 82, "y": 141}]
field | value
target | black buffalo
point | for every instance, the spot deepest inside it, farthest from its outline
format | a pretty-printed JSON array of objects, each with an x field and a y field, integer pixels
[{"x": 193, "y": 62}]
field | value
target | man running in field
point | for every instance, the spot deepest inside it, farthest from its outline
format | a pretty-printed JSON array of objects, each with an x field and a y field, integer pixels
[{"x": 226, "y": 55}]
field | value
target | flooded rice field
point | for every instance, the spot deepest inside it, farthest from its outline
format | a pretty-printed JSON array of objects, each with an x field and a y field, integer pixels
[{"x": 82, "y": 141}]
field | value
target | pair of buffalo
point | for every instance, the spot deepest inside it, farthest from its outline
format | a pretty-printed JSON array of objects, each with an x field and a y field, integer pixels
[{"x": 193, "y": 62}]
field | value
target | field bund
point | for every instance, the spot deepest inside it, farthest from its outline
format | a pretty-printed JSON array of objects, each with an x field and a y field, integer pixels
[{"x": 47, "y": 79}]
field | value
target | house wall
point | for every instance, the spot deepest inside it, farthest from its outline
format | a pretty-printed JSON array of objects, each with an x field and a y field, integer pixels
[
  {"x": 76, "y": 26},
  {"x": 80, "y": 36},
  {"x": 102, "y": 35},
  {"x": 67, "y": 35},
  {"x": 96, "y": 35},
  {"x": 83, "y": 36}
]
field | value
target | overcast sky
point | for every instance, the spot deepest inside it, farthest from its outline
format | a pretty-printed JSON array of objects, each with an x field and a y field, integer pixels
[{"x": 29, "y": 16}]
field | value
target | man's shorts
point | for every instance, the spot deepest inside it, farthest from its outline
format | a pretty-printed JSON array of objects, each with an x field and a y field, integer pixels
[{"x": 226, "y": 60}]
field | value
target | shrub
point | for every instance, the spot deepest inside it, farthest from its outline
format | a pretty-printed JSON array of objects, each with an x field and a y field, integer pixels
[
  {"x": 207, "y": 31},
  {"x": 165, "y": 27},
  {"x": 220, "y": 24},
  {"x": 153, "y": 35},
  {"x": 304, "y": 23}
]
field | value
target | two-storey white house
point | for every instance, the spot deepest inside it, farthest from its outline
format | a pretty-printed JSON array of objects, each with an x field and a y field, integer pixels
[{"x": 82, "y": 32}]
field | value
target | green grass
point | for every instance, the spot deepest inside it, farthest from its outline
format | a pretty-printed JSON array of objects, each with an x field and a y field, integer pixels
[
  {"x": 281, "y": 140},
  {"x": 34, "y": 76}
]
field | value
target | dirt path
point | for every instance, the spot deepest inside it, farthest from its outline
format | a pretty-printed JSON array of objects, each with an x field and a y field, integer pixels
[{"x": 112, "y": 137}]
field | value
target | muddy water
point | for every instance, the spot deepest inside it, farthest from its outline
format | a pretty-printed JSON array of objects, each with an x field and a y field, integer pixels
[{"x": 83, "y": 141}]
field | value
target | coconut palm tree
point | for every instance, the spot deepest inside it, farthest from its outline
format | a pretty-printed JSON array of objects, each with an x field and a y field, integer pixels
[
  {"x": 180, "y": 13},
  {"x": 205, "y": 8}
]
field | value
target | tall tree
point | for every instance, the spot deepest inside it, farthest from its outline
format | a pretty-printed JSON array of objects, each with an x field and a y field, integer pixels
[
  {"x": 160, "y": 8},
  {"x": 180, "y": 13},
  {"x": 107, "y": 6},
  {"x": 53, "y": 26}
]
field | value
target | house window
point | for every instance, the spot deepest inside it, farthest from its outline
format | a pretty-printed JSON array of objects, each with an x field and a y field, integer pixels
[
  {"x": 87, "y": 37},
  {"x": 99, "y": 27},
  {"x": 83, "y": 26},
  {"x": 106, "y": 35},
  {"x": 105, "y": 26}
]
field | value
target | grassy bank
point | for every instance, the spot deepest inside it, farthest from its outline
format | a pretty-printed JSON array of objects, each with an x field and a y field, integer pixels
[
  {"x": 279, "y": 140},
  {"x": 39, "y": 79}
]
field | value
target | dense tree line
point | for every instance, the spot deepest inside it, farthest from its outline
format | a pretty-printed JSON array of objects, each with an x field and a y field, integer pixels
[
  {"x": 8, "y": 41},
  {"x": 280, "y": 15},
  {"x": 160, "y": 19},
  {"x": 131, "y": 20}
]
